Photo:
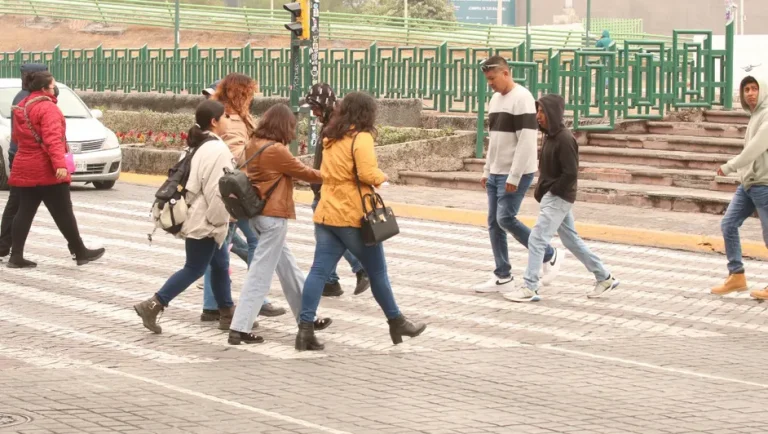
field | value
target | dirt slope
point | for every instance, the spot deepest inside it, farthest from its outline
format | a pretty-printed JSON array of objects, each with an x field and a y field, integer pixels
[{"x": 17, "y": 35}]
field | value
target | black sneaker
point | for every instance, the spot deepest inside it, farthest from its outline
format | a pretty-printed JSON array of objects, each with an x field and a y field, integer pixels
[
  {"x": 363, "y": 282},
  {"x": 332, "y": 290},
  {"x": 236, "y": 338}
]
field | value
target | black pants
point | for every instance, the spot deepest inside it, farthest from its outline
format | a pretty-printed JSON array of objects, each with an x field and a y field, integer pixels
[
  {"x": 59, "y": 203},
  {"x": 11, "y": 208}
]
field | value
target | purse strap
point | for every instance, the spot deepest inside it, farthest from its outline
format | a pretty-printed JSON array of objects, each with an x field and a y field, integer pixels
[
  {"x": 373, "y": 198},
  {"x": 38, "y": 139}
]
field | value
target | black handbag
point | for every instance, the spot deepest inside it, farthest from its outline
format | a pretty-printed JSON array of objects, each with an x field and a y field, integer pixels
[
  {"x": 240, "y": 198},
  {"x": 378, "y": 223}
]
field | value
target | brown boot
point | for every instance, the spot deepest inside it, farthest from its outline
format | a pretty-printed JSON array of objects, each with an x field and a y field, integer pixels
[
  {"x": 734, "y": 283},
  {"x": 225, "y": 318},
  {"x": 760, "y": 294},
  {"x": 148, "y": 311}
]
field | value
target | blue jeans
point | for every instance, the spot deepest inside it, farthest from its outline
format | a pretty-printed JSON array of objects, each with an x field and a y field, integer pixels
[
  {"x": 502, "y": 219},
  {"x": 555, "y": 216},
  {"x": 331, "y": 243},
  {"x": 201, "y": 254},
  {"x": 742, "y": 206},
  {"x": 209, "y": 302},
  {"x": 351, "y": 259}
]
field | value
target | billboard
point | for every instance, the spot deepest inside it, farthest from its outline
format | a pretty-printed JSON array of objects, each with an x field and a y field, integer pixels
[{"x": 484, "y": 11}]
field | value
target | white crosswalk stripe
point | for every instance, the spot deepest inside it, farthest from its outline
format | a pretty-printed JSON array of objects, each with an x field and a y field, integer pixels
[{"x": 458, "y": 255}]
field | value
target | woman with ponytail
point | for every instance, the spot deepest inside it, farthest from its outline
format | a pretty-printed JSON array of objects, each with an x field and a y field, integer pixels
[{"x": 207, "y": 224}]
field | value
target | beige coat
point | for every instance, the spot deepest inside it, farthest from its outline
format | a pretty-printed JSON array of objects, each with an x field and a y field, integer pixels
[{"x": 207, "y": 217}]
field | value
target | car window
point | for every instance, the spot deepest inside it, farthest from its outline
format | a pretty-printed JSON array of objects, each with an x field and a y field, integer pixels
[
  {"x": 6, "y": 100},
  {"x": 68, "y": 102}
]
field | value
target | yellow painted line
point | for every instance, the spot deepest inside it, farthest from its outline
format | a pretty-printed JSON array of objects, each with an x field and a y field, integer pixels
[{"x": 590, "y": 231}]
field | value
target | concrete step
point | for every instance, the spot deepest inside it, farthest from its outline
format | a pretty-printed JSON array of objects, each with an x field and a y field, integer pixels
[
  {"x": 739, "y": 117},
  {"x": 634, "y": 174},
  {"x": 654, "y": 158},
  {"x": 636, "y": 157},
  {"x": 666, "y": 142},
  {"x": 703, "y": 129},
  {"x": 639, "y": 195}
]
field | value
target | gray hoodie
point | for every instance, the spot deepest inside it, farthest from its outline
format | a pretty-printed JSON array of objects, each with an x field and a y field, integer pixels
[{"x": 752, "y": 163}]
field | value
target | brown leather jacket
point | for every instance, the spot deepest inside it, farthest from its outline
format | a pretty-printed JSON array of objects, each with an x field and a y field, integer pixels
[{"x": 267, "y": 169}]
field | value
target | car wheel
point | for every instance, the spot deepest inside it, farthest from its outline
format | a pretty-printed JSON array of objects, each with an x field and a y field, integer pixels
[
  {"x": 3, "y": 174},
  {"x": 103, "y": 185}
]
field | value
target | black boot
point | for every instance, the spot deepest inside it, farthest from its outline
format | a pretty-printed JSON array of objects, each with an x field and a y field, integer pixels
[
  {"x": 18, "y": 262},
  {"x": 363, "y": 282},
  {"x": 236, "y": 338},
  {"x": 84, "y": 255},
  {"x": 332, "y": 290},
  {"x": 400, "y": 327},
  {"x": 306, "y": 340}
]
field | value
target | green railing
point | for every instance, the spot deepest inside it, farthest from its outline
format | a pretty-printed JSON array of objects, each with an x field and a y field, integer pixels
[
  {"x": 639, "y": 80},
  {"x": 333, "y": 26}
]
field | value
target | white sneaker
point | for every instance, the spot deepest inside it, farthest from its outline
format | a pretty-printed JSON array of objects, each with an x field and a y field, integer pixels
[
  {"x": 496, "y": 284},
  {"x": 551, "y": 269},
  {"x": 523, "y": 295},
  {"x": 604, "y": 287}
]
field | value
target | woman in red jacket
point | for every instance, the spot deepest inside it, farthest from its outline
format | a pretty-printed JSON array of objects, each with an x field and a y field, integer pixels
[{"x": 39, "y": 171}]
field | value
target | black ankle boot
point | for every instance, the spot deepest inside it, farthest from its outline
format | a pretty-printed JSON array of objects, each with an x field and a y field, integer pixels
[
  {"x": 306, "y": 340},
  {"x": 84, "y": 255},
  {"x": 15, "y": 262},
  {"x": 400, "y": 327}
]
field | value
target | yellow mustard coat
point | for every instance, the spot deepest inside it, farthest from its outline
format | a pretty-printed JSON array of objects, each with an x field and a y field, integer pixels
[{"x": 340, "y": 203}]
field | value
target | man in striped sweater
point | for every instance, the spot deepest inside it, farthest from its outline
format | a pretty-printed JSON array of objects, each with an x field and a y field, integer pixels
[{"x": 508, "y": 173}]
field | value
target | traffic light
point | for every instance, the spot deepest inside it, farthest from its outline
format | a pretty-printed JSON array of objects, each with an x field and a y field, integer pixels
[{"x": 299, "y": 18}]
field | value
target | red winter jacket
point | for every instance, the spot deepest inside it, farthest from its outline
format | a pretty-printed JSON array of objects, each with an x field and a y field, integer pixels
[{"x": 35, "y": 164}]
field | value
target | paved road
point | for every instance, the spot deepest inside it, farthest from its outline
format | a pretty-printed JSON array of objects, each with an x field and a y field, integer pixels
[{"x": 659, "y": 356}]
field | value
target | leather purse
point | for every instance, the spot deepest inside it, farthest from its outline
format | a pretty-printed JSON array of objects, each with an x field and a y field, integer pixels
[{"x": 378, "y": 223}]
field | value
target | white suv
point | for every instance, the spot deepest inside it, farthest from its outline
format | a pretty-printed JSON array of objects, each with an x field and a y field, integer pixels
[{"x": 95, "y": 147}]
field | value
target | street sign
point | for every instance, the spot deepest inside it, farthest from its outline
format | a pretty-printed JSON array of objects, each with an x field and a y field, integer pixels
[{"x": 484, "y": 11}]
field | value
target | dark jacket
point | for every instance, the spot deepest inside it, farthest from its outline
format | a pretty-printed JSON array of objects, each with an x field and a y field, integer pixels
[
  {"x": 559, "y": 161},
  {"x": 27, "y": 68}
]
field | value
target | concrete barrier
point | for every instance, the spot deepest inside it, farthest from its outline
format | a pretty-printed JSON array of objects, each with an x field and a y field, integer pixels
[
  {"x": 430, "y": 155},
  {"x": 392, "y": 112}
]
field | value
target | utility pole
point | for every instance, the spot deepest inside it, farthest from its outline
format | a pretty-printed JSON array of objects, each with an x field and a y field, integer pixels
[
  {"x": 588, "y": 40},
  {"x": 528, "y": 56},
  {"x": 177, "y": 38},
  {"x": 730, "y": 22}
]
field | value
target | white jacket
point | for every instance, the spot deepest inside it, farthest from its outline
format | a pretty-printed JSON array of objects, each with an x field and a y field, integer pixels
[{"x": 207, "y": 217}]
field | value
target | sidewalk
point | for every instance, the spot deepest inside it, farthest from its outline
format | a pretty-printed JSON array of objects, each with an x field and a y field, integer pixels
[{"x": 609, "y": 223}]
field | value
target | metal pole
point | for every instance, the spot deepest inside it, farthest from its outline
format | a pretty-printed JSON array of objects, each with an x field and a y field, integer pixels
[
  {"x": 587, "y": 41},
  {"x": 499, "y": 8},
  {"x": 177, "y": 39},
  {"x": 741, "y": 16},
  {"x": 314, "y": 62},
  {"x": 528, "y": 30},
  {"x": 730, "y": 22}
]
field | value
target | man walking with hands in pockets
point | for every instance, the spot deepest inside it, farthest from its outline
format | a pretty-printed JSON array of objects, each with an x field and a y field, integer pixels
[{"x": 508, "y": 172}]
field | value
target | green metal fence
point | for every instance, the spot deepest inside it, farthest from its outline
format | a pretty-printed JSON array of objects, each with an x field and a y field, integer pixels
[
  {"x": 638, "y": 80},
  {"x": 333, "y": 26}
]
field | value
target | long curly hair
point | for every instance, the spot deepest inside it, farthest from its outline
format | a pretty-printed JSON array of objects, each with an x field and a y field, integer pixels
[{"x": 236, "y": 92}]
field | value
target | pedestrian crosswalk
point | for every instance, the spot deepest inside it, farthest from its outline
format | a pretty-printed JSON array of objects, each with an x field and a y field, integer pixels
[{"x": 60, "y": 310}]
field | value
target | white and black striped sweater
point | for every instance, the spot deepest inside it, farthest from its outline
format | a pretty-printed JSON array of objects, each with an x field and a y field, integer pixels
[{"x": 513, "y": 133}]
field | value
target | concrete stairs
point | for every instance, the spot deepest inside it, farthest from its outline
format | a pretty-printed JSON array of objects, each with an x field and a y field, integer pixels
[{"x": 649, "y": 164}]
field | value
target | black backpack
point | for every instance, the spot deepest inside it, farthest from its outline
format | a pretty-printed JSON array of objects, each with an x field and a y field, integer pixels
[
  {"x": 240, "y": 198},
  {"x": 169, "y": 211}
]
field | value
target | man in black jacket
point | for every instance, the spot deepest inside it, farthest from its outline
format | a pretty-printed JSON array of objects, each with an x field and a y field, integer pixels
[
  {"x": 12, "y": 206},
  {"x": 556, "y": 191}
]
